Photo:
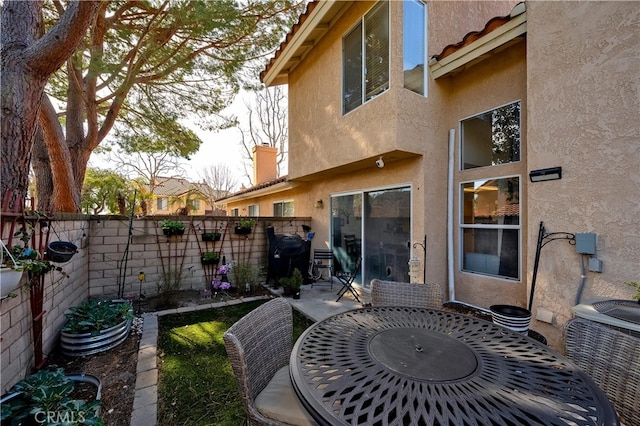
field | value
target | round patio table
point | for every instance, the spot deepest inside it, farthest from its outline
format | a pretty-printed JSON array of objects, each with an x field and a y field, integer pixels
[{"x": 415, "y": 366}]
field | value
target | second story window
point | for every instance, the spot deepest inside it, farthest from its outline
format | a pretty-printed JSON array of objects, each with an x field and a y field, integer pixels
[
  {"x": 492, "y": 137},
  {"x": 414, "y": 43},
  {"x": 365, "y": 58}
]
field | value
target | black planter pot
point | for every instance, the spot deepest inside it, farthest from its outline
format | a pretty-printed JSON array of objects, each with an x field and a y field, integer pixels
[
  {"x": 242, "y": 230},
  {"x": 167, "y": 231},
  {"x": 61, "y": 251},
  {"x": 209, "y": 261},
  {"x": 211, "y": 236}
]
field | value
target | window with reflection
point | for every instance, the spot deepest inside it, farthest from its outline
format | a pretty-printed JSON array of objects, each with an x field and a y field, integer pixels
[
  {"x": 491, "y": 138},
  {"x": 414, "y": 40},
  {"x": 490, "y": 227},
  {"x": 283, "y": 209},
  {"x": 365, "y": 58}
]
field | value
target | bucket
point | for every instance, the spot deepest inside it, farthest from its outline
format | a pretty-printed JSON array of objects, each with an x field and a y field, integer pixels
[{"x": 514, "y": 318}]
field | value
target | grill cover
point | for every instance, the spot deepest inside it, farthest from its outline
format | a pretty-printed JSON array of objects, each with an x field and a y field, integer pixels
[{"x": 287, "y": 252}]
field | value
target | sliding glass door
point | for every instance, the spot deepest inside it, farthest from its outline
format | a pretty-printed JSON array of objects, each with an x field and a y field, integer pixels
[{"x": 377, "y": 226}]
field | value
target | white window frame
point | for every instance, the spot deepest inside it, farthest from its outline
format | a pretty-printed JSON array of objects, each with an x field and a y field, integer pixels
[
  {"x": 462, "y": 226},
  {"x": 425, "y": 73},
  {"x": 363, "y": 68},
  {"x": 253, "y": 210},
  {"x": 162, "y": 203},
  {"x": 282, "y": 203}
]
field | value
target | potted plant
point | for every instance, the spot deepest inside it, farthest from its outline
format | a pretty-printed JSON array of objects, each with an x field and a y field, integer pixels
[
  {"x": 245, "y": 224},
  {"x": 10, "y": 272},
  {"x": 172, "y": 227},
  {"x": 95, "y": 326},
  {"x": 61, "y": 251},
  {"x": 211, "y": 236},
  {"x": 49, "y": 392},
  {"x": 210, "y": 258},
  {"x": 291, "y": 285},
  {"x": 637, "y": 287}
]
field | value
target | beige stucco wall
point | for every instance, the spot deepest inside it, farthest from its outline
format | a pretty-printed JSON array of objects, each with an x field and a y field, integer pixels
[{"x": 583, "y": 77}]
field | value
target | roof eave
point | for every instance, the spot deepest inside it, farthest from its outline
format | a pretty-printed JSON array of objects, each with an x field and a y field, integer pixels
[
  {"x": 302, "y": 40},
  {"x": 269, "y": 190},
  {"x": 478, "y": 50}
]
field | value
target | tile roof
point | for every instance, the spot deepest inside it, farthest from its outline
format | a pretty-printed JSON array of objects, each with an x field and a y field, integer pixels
[
  {"x": 170, "y": 186},
  {"x": 257, "y": 187}
]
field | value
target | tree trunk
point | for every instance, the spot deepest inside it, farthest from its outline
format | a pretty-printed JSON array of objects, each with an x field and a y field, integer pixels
[{"x": 27, "y": 62}]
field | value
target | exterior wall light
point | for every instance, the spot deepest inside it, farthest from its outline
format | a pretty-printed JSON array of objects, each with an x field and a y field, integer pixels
[
  {"x": 552, "y": 173},
  {"x": 319, "y": 204}
]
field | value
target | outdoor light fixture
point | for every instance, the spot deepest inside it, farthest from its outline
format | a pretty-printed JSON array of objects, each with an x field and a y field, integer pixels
[
  {"x": 319, "y": 204},
  {"x": 552, "y": 173}
]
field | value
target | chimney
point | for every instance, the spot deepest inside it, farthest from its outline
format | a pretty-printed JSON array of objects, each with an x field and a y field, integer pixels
[{"x": 264, "y": 164}]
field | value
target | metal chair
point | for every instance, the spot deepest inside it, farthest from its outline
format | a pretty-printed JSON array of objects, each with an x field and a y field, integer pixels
[
  {"x": 393, "y": 293},
  {"x": 612, "y": 358},
  {"x": 259, "y": 346},
  {"x": 346, "y": 279},
  {"x": 322, "y": 261}
]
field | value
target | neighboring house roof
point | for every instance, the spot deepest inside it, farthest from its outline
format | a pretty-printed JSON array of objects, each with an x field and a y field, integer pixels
[
  {"x": 265, "y": 188},
  {"x": 177, "y": 186}
]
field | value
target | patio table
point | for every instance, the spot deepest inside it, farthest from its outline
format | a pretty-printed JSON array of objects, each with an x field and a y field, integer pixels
[{"x": 418, "y": 366}]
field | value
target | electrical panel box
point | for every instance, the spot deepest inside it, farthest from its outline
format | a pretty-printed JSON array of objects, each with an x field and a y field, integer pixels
[{"x": 586, "y": 243}]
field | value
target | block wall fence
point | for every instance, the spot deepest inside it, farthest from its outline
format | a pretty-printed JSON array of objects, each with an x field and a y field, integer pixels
[{"x": 108, "y": 259}]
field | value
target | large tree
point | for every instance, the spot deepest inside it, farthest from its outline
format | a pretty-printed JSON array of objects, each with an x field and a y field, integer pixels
[
  {"x": 28, "y": 59},
  {"x": 144, "y": 68}
]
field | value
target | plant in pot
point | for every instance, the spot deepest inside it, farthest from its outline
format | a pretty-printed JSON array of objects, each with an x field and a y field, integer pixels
[
  {"x": 95, "y": 326},
  {"x": 10, "y": 272},
  {"x": 210, "y": 258},
  {"x": 211, "y": 236},
  {"x": 47, "y": 397},
  {"x": 245, "y": 225},
  {"x": 291, "y": 285},
  {"x": 172, "y": 227}
]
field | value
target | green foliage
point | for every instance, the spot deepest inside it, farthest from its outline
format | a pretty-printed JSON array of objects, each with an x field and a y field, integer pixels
[
  {"x": 246, "y": 222},
  {"x": 295, "y": 281},
  {"x": 174, "y": 225},
  {"x": 101, "y": 190},
  {"x": 245, "y": 272},
  {"x": 48, "y": 391},
  {"x": 92, "y": 316},
  {"x": 210, "y": 257},
  {"x": 637, "y": 287},
  {"x": 196, "y": 384}
]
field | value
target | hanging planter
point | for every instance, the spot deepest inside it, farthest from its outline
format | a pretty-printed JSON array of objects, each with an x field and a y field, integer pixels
[
  {"x": 96, "y": 326},
  {"x": 244, "y": 226},
  {"x": 61, "y": 251},
  {"x": 10, "y": 272},
  {"x": 211, "y": 236},
  {"x": 210, "y": 258}
]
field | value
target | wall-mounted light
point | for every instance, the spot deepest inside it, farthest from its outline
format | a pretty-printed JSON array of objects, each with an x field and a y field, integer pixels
[
  {"x": 552, "y": 173},
  {"x": 319, "y": 204}
]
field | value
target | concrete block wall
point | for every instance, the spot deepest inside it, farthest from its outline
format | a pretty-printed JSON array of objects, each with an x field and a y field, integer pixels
[
  {"x": 61, "y": 291},
  {"x": 93, "y": 272}
]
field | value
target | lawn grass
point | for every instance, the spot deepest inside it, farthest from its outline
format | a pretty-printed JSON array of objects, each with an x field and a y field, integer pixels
[{"x": 196, "y": 384}]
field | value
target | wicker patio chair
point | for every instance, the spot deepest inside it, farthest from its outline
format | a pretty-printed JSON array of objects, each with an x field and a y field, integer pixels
[
  {"x": 386, "y": 293},
  {"x": 612, "y": 358},
  {"x": 259, "y": 345}
]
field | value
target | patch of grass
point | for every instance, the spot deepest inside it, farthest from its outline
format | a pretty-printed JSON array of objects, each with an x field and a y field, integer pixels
[{"x": 196, "y": 384}]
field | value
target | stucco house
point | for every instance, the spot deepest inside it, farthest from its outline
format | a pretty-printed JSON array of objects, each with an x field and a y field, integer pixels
[
  {"x": 173, "y": 195},
  {"x": 463, "y": 134}
]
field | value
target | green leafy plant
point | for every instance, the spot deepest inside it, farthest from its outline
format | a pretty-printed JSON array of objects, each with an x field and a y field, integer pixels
[
  {"x": 92, "y": 316},
  {"x": 211, "y": 236},
  {"x": 246, "y": 222},
  {"x": 45, "y": 392},
  {"x": 210, "y": 257},
  {"x": 637, "y": 287},
  {"x": 172, "y": 227},
  {"x": 246, "y": 273}
]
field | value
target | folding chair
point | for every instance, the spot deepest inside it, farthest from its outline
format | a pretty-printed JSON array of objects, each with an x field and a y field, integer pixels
[
  {"x": 322, "y": 260},
  {"x": 346, "y": 279}
]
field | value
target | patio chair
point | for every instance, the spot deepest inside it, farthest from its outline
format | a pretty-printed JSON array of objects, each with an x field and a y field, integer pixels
[
  {"x": 346, "y": 279},
  {"x": 322, "y": 261},
  {"x": 612, "y": 358},
  {"x": 259, "y": 346},
  {"x": 393, "y": 293}
]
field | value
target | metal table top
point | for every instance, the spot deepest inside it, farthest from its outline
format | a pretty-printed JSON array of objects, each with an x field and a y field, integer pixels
[{"x": 414, "y": 366}]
